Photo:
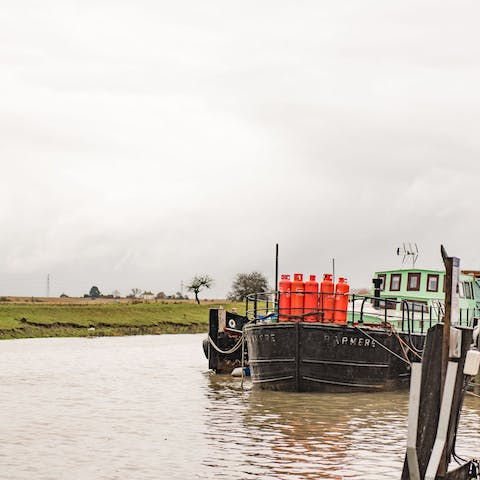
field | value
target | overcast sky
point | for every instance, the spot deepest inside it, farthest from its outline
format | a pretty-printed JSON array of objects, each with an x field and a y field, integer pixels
[{"x": 143, "y": 142}]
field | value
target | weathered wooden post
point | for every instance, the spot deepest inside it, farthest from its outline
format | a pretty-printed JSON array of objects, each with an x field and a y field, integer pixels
[
  {"x": 440, "y": 396},
  {"x": 452, "y": 270}
]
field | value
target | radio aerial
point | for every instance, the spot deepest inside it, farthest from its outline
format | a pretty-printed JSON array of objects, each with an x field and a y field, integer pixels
[{"x": 408, "y": 251}]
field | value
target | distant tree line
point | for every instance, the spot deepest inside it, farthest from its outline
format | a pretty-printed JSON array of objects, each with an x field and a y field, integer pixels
[
  {"x": 134, "y": 293},
  {"x": 243, "y": 285}
]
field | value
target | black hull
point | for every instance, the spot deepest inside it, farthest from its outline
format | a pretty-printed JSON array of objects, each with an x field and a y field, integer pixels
[
  {"x": 318, "y": 357},
  {"x": 219, "y": 362},
  {"x": 224, "y": 335}
]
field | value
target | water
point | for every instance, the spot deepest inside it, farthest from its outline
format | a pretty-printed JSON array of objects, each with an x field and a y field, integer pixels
[{"x": 147, "y": 408}]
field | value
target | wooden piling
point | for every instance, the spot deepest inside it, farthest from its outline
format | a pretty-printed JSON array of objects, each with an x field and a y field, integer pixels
[
  {"x": 431, "y": 397},
  {"x": 436, "y": 357}
]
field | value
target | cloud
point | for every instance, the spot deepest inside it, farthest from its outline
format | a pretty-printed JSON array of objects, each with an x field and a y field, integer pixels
[{"x": 143, "y": 143}]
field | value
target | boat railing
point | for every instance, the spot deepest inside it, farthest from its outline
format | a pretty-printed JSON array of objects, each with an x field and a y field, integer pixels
[
  {"x": 413, "y": 317},
  {"x": 261, "y": 306}
]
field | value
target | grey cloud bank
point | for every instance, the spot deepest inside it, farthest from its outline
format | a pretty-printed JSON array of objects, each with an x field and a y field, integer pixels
[{"x": 143, "y": 142}]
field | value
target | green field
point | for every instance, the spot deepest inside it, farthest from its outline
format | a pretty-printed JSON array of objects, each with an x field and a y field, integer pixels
[{"x": 26, "y": 320}]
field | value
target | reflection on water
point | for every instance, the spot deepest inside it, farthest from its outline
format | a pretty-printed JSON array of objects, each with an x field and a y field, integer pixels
[
  {"x": 287, "y": 435},
  {"x": 316, "y": 436},
  {"x": 147, "y": 408}
]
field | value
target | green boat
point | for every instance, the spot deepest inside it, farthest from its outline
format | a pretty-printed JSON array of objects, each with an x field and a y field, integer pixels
[
  {"x": 384, "y": 333},
  {"x": 418, "y": 294}
]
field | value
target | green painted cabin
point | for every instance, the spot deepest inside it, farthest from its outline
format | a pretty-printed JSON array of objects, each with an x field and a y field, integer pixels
[{"x": 423, "y": 291}]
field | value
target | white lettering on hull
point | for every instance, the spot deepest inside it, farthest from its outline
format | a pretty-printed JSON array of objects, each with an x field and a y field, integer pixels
[
  {"x": 265, "y": 337},
  {"x": 351, "y": 341}
]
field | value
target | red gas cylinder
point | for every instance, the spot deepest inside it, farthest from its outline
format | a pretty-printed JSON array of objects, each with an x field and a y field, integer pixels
[
  {"x": 311, "y": 300},
  {"x": 327, "y": 298},
  {"x": 284, "y": 287},
  {"x": 341, "y": 301},
  {"x": 297, "y": 295}
]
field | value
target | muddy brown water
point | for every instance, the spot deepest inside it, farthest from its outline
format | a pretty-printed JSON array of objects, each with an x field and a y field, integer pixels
[{"x": 147, "y": 408}]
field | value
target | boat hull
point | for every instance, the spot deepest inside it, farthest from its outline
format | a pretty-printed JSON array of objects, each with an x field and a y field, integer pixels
[
  {"x": 306, "y": 357},
  {"x": 223, "y": 346}
]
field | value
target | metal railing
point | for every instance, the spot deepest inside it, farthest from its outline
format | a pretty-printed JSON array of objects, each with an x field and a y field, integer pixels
[{"x": 412, "y": 317}]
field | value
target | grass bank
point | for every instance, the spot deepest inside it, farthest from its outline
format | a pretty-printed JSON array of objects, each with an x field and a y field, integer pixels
[{"x": 28, "y": 320}]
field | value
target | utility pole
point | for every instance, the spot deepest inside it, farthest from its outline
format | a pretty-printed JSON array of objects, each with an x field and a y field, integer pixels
[{"x": 48, "y": 285}]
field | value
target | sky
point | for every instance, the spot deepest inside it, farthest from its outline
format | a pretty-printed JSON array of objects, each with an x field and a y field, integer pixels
[{"x": 144, "y": 142}]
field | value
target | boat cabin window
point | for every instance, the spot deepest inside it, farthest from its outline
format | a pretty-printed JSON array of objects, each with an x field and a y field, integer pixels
[
  {"x": 418, "y": 306},
  {"x": 395, "y": 282},
  {"x": 432, "y": 282},
  {"x": 388, "y": 303},
  {"x": 383, "y": 276},
  {"x": 467, "y": 287},
  {"x": 413, "y": 282}
]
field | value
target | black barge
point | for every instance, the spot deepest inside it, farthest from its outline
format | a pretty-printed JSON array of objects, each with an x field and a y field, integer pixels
[
  {"x": 316, "y": 357},
  {"x": 370, "y": 347}
]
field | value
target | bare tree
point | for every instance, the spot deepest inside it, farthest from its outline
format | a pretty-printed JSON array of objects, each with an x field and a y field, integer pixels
[
  {"x": 136, "y": 292},
  {"x": 198, "y": 283}
]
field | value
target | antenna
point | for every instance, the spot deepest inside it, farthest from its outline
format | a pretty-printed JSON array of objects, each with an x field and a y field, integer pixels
[{"x": 407, "y": 250}]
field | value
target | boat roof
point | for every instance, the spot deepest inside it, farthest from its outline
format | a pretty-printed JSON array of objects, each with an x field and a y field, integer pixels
[
  {"x": 408, "y": 270},
  {"x": 473, "y": 274}
]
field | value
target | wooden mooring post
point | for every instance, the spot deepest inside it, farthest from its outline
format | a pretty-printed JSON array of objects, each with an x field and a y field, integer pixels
[{"x": 438, "y": 387}]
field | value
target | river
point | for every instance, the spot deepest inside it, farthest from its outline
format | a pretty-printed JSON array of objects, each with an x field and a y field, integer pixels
[{"x": 147, "y": 408}]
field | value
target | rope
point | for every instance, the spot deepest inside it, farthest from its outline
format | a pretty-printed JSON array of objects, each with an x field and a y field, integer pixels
[
  {"x": 383, "y": 346},
  {"x": 226, "y": 352},
  {"x": 474, "y": 394},
  {"x": 404, "y": 344}
]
